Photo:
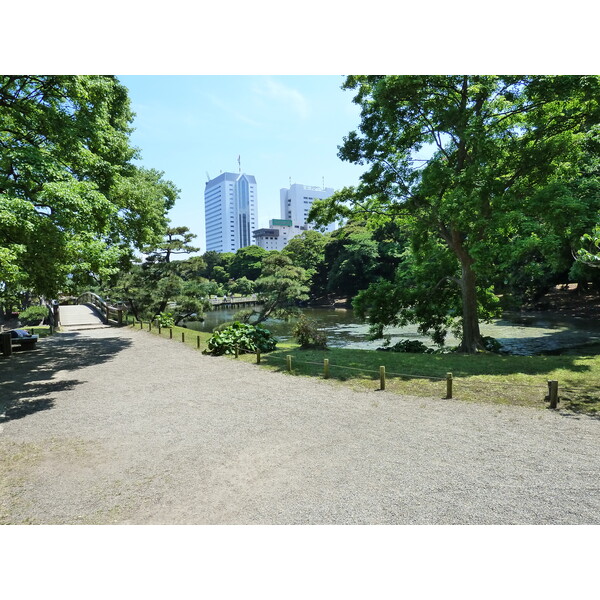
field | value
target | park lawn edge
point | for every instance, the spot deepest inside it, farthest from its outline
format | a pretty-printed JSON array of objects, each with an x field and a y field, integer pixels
[{"x": 484, "y": 377}]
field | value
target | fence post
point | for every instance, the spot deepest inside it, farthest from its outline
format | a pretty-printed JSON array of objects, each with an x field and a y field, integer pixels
[
  {"x": 170, "y": 333},
  {"x": 258, "y": 356},
  {"x": 183, "y": 336},
  {"x": 288, "y": 360},
  {"x": 448, "y": 385},
  {"x": 141, "y": 324},
  {"x": 237, "y": 351},
  {"x": 325, "y": 368},
  {"x": 198, "y": 342},
  {"x": 149, "y": 325},
  {"x": 382, "y": 378},
  {"x": 553, "y": 389},
  {"x": 159, "y": 329}
]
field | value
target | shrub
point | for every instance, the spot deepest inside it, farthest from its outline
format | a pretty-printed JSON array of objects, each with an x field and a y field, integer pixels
[
  {"x": 308, "y": 336},
  {"x": 166, "y": 319},
  {"x": 491, "y": 344},
  {"x": 33, "y": 315},
  {"x": 244, "y": 337},
  {"x": 414, "y": 346}
]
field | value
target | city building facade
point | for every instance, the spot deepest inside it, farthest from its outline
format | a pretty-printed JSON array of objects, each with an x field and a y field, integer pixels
[
  {"x": 230, "y": 211},
  {"x": 295, "y": 203},
  {"x": 278, "y": 234}
]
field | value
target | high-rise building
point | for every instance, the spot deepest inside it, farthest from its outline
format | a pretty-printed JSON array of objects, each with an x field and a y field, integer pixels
[
  {"x": 230, "y": 211},
  {"x": 296, "y": 201}
]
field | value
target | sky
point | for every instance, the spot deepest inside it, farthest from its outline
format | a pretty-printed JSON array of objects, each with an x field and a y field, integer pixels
[{"x": 283, "y": 128}]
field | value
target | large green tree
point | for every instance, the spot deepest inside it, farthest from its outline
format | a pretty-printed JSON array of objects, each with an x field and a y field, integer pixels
[
  {"x": 72, "y": 203},
  {"x": 454, "y": 160}
]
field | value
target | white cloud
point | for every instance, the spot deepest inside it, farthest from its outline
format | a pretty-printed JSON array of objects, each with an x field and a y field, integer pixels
[{"x": 280, "y": 92}]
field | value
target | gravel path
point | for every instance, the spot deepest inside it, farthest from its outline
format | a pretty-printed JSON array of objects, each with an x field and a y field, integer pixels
[{"x": 120, "y": 426}]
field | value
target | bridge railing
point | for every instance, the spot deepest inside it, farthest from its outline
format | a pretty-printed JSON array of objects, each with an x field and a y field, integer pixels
[{"x": 109, "y": 313}]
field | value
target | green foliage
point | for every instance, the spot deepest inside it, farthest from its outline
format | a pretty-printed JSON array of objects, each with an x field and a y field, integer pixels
[
  {"x": 308, "y": 335},
  {"x": 279, "y": 289},
  {"x": 495, "y": 169},
  {"x": 165, "y": 319},
  {"x": 33, "y": 315},
  {"x": 72, "y": 203},
  {"x": 242, "y": 337},
  {"x": 412, "y": 346},
  {"x": 247, "y": 262},
  {"x": 243, "y": 286}
]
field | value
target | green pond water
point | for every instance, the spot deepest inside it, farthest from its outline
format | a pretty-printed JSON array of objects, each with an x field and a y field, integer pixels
[{"x": 519, "y": 333}]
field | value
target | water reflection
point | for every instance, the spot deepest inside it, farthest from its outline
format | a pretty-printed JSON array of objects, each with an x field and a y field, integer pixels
[{"x": 518, "y": 333}]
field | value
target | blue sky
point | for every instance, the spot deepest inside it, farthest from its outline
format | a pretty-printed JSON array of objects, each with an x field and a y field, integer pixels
[{"x": 282, "y": 127}]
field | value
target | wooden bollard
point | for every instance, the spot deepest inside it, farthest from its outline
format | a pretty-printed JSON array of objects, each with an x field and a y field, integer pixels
[
  {"x": 159, "y": 329},
  {"x": 382, "y": 378},
  {"x": 141, "y": 324},
  {"x": 237, "y": 351},
  {"x": 183, "y": 336},
  {"x": 258, "y": 356},
  {"x": 150, "y": 326},
  {"x": 553, "y": 393},
  {"x": 198, "y": 342},
  {"x": 448, "y": 385},
  {"x": 288, "y": 360},
  {"x": 325, "y": 368},
  {"x": 170, "y": 333}
]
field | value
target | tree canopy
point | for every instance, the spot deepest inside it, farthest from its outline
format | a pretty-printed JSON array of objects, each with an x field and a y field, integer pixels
[
  {"x": 463, "y": 165},
  {"x": 72, "y": 203}
]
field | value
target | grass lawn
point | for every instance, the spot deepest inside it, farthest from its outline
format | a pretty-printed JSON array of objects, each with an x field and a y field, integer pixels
[{"x": 501, "y": 379}]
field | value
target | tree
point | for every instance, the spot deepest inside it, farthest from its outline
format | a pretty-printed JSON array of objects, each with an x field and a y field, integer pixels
[
  {"x": 307, "y": 251},
  {"x": 492, "y": 144},
  {"x": 247, "y": 262},
  {"x": 161, "y": 282},
  {"x": 72, "y": 203},
  {"x": 280, "y": 287}
]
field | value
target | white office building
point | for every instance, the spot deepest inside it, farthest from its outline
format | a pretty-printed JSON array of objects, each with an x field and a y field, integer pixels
[
  {"x": 278, "y": 234},
  {"x": 230, "y": 211},
  {"x": 296, "y": 201}
]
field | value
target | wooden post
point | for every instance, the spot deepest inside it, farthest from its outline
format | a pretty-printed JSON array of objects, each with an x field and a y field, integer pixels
[
  {"x": 149, "y": 325},
  {"x": 198, "y": 342},
  {"x": 141, "y": 324},
  {"x": 288, "y": 360},
  {"x": 382, "y": 378},
  {"x": 237, "y": 351},
  {"x": 448, "y": 385},
  {"x": 553, "y": 389},
  {"x": 159, "y": 329},
  {"x": 51, "y": 329},
  {"x": 183, "y": 336},
  {"x": 120, "y": 316},
  {"x": 170, "y": 333},
  {"x": 107, "y": 313},
  {"x": 325, "y": 368},
  {"x": 258, "y": 356}
]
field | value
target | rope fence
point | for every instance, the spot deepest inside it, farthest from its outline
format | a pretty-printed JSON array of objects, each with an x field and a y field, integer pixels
[{"x": 551, "y": 386}]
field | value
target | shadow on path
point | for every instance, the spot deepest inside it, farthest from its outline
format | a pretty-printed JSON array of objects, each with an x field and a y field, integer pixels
[{"x": 29, "y": 380}]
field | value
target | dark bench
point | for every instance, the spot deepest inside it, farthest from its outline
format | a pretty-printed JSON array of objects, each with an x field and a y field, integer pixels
[{"x": 17, "y": 338}]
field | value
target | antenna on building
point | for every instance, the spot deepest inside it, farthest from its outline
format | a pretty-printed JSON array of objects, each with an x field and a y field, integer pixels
[
  {"x": 323, "y": 181},
  {"x": 290, "y": 182},
  {"x": 239, "y": 164},
  {"x": 208, "y": 177}
]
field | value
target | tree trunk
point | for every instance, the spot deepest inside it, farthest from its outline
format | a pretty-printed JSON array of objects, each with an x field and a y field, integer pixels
[{"x": 471, "y": 336}]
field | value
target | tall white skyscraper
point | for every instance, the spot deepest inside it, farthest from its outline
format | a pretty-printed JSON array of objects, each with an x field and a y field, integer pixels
[
  {"x": 296, "y": 201},
  {"x": 230, "y": 211}
]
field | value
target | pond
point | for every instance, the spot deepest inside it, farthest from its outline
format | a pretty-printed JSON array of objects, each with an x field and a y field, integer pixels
[{"x": 519, "y": 333}]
